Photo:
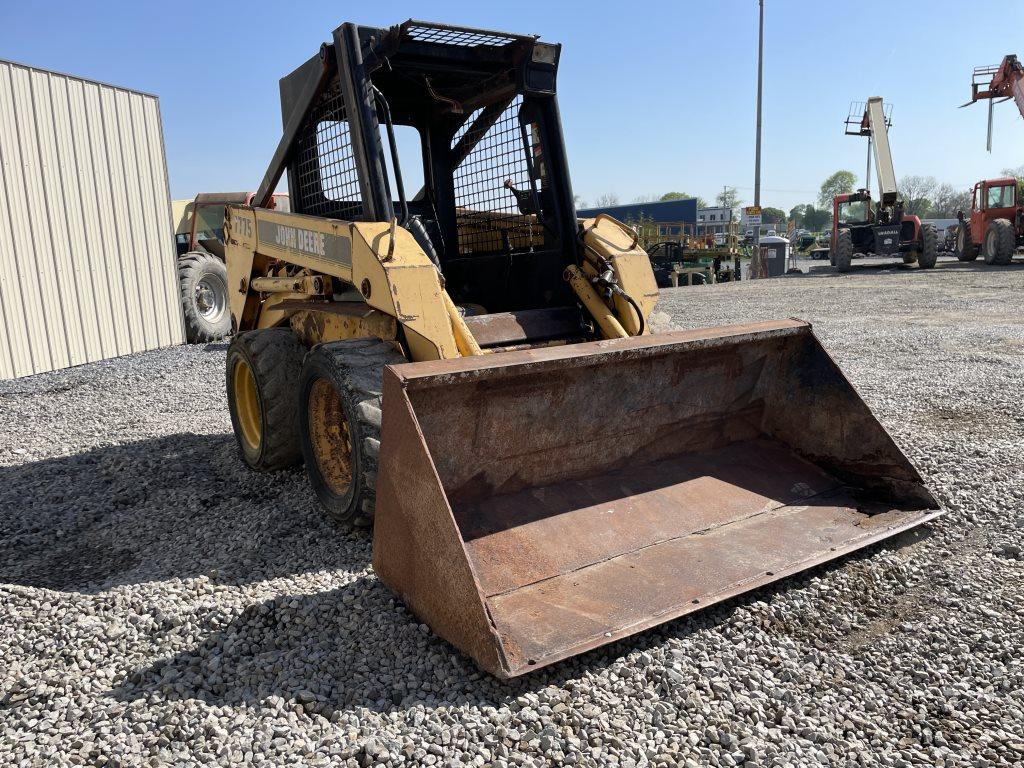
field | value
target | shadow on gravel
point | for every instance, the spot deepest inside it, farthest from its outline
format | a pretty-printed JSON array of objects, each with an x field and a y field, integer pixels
[
  {"x": 356, "y": 647},
  {"x": 178, "y": 506}
]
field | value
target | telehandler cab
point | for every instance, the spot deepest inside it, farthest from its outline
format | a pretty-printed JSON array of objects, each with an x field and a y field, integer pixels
[{"x": 471, "y": 368}]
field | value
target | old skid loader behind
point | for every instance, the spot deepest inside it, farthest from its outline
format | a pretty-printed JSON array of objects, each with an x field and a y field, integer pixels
[{"x": 546, "y": 476}]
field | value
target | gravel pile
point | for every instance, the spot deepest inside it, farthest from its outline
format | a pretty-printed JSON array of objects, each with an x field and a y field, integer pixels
[{"x": 161, "y": 605}]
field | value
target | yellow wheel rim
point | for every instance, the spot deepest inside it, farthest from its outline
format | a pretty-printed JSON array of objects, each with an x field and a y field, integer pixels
[
  {"x": 247, "y": 405},
  {"x": 329, "y": 437}
]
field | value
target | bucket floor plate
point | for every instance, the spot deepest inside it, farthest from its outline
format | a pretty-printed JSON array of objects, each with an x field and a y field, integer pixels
[{"x": 566, "y": 568}]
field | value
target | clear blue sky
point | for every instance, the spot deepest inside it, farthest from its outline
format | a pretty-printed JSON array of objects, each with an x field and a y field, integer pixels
[{"x": 655, "y": 96}]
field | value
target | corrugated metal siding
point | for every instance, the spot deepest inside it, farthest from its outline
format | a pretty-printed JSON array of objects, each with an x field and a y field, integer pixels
[{"x": 87, "y": 259}]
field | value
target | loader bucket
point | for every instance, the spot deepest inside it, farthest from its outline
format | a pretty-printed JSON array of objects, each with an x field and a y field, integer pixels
[{"x": 536, "y": 504}]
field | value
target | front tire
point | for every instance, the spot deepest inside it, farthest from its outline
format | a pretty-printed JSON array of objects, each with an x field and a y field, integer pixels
[
  {"x": 203, "y": 279},
  {"x": 929, "y": 252},
  {"x": 1000, "y": 242},
  {"x": 844, "y": 251},
  {"x": 339, "y": 405},
  {"x": 262, "y": 375},
  {"x": 966, "y": 250}
]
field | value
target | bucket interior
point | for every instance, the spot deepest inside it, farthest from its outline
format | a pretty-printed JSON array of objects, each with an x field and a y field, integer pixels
[{"x": 596, "y": 495}]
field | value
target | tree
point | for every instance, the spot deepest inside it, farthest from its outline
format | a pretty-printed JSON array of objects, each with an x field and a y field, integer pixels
[
  {"x": 947, "y": 200},
  {"x": 816, "y": 219},
  {"x": 773, "y": 216},
  {"x": 645, "y": 198},
  {"x": 579, "y": 202},
  {"x": 701, "y": 202},
  {"x": 916, "y": 193},
  {"x": 606, "y": 200},
  {"x": 1018, "y": 174},
  {"x": 796, "y": 215},
  {"x": 839, "y": 183},
  {"x": 728, "y": 198}
]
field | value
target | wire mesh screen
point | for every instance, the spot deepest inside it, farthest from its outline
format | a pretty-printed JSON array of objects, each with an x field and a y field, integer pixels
[
  {"x": 325, "y": 167},
  {"x": 469, "y": 38},
  {"x": 489, "y": 216}
]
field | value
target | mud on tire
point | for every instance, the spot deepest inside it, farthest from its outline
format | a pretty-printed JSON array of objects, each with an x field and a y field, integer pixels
[
  {"x": 339, "y": 404},
  {"x": 262, "y": 377}
]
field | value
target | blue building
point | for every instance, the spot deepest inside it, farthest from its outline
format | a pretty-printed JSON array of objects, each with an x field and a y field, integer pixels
[{"x": 669, "y": 215}]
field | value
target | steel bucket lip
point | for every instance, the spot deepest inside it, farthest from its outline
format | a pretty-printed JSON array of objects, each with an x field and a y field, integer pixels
[{"x": 420, "y": 375}]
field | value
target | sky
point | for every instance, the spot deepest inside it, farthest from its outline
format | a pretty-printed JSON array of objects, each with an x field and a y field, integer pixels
[{"x": 655, "y": 96}]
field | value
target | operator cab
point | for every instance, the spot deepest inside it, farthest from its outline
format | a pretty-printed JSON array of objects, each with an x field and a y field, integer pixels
[{"x": 469, "y": 117}]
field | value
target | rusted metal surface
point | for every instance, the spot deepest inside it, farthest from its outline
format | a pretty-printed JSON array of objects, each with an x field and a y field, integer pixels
[
  {"x": 531, "y": 325},
  {"x": 577, "y": 494}
]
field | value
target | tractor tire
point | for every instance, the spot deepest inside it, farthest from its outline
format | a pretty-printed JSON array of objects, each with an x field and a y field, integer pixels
[
  {"x": 929, "y": 252},
  {"x": 339, "y": 405},
  {"x": 965, "y": 248},
  {"x": 844, "y": 251},
  {"x": 1000, "y": 242},
  {"x": 203, "y": 279},
  {"x": 262, "y": 377}
]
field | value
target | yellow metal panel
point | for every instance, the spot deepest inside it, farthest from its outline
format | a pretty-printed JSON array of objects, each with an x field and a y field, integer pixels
[
  {"x": 615, "y": 242},
  {"x": 395, "y": 277}
]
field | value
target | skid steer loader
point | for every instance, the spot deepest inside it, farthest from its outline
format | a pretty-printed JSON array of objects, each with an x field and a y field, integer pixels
[{"x": 545, "y": 475}]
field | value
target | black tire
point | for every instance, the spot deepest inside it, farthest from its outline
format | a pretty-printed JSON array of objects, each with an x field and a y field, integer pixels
[
  {"x": 844, "y": 251},
  {"x": 1000, "y": 242},
  {"x": 339, "y": 406},
  {"x": 929, "y": 252},
  {"x": 203, "y": 279},
  {"x": 273, "y": 357},
  {"x": 965, "y": 247}
]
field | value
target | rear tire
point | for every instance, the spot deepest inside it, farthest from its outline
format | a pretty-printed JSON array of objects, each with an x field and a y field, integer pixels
[
  {"x": 339, "y": 406},
  {"x": 262, "y": 375},
  {"x": 929, "y": 252},
  {"x": 844, "y": 251},
  {"x": 203, "y": 279},
  {"x": 965, "y": 248},
  {"x": 1000, "y": 242}
]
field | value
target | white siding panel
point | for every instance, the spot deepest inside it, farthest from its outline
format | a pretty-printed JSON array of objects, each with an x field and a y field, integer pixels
[{"x": 87, "y": 260}]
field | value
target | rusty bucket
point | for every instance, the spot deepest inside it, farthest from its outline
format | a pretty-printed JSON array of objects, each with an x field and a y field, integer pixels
[{"x": 536, "y": 504}]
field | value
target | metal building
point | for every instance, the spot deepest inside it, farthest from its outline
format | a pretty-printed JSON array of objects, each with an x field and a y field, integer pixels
[{"x": 87, "y": 259}]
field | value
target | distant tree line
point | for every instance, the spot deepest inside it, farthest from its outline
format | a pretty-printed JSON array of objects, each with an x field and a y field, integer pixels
[{"x": 922, "y": 196}]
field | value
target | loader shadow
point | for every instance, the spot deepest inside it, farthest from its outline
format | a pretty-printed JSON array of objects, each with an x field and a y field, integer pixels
[
  {"x": 177, "y": 506},
  {"x": 355, "y": 648}
]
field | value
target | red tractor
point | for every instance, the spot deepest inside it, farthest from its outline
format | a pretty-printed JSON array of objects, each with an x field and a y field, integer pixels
[
  {"x": 995, "y": 227},
  {"x": 882, "y": 230}
]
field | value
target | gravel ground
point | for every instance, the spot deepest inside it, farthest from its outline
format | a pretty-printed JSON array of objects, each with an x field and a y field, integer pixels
[{"x": 161, "y": 605}]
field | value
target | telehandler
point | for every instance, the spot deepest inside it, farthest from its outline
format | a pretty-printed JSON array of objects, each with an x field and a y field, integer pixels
[
  {"x": 882, "y": 229},
  {"x": 545, "y": 475}
]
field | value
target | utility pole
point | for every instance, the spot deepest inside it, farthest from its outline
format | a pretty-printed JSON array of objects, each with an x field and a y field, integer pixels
[
  {"x": 757, "y": 149},
  {"x": 760, "y": 76}
]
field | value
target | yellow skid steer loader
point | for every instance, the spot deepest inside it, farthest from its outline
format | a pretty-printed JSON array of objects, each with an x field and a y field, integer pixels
[{"x": 470, "y": 368}]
